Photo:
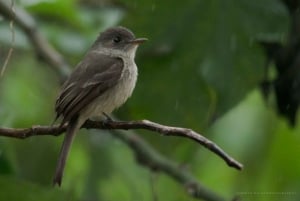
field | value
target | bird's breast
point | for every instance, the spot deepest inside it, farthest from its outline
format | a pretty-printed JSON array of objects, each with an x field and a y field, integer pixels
[
  {"x": 126, "y": 83},
  {"x": 117, "y": 95}
]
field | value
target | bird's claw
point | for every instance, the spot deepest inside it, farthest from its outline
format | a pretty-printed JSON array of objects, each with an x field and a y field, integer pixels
[{"x": 107, "y": 118}]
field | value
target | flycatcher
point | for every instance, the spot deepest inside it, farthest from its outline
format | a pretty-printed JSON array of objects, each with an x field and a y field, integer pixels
[{"x": 100, "y": 83}]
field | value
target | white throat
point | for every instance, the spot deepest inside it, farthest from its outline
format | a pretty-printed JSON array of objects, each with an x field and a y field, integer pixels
[{"x": 129, "y": 54}]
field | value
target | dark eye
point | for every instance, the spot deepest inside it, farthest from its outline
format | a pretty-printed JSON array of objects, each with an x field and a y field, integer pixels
[{"x": 117, "y": 39}]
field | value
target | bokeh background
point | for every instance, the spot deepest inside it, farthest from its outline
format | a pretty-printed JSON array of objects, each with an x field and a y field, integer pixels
[{"x": 206, "y": 66}]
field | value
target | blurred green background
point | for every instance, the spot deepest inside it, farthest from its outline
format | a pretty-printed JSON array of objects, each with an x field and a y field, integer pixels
[{"x": 201, "y": 69}]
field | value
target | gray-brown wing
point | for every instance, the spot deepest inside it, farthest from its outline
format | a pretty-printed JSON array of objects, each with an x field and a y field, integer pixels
[{"x": 92, "y": 77}]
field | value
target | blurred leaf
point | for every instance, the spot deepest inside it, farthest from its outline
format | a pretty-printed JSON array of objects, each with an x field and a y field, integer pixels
[
  {"x": 202, "y": 58},
  {"x": 27, "y": 92},
  {"x": 284, "y": 158},
  {"x": 65, "y": 11}
]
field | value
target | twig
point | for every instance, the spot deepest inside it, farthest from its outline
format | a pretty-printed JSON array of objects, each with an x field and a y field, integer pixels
[
  {"x": 41, "y": 46},
  {"x": 142, "y": 124},
  {"x": 10, "y": 51},
  {"x": 145, "y": 154},
  {"x": 152, "y": 180},
  {"x": 171, "y": 131}
]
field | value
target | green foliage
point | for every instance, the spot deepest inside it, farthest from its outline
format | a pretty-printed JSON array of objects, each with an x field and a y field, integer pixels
[
  {"x": 200, "y": 69},
  {"x": 25, "y": 93},
  {"x": 14, "y": 189},
  {"x": 202, "y": 50},
  {"x": 64, "y": 11}
]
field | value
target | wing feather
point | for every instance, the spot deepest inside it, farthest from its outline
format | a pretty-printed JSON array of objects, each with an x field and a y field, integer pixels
[{"x": 96, "y": 74}]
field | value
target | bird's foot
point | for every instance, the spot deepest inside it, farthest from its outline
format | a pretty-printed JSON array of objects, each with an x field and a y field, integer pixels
[{"x": 107, "y": 119}]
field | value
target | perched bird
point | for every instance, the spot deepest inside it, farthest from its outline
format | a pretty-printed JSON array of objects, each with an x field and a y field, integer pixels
[{"x": 100, "y": 83}]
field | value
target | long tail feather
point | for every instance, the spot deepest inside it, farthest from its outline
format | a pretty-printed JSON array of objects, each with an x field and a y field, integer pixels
[{"x": 73, "y": 127}]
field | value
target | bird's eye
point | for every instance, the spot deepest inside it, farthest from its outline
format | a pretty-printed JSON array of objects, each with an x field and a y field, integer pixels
[{"x": 116, "y": 39}]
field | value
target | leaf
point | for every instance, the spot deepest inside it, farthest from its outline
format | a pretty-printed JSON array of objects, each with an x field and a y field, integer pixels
[
  {"x": 63, "y": 11},
  {"x": 202, "y": 58}
]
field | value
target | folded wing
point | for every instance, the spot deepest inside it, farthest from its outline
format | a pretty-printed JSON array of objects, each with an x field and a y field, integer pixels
[{"x": 96, "y": 74}]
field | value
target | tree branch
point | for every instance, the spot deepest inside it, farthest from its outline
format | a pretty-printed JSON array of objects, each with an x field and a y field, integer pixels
[
  {"x": 111, "y": 124},
  {"x": 144, "y": 153},
  {"x": 41, "y": 46}
]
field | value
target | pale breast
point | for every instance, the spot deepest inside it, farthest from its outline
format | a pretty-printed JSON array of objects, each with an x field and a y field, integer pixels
[{"x": 116, "y": 96}]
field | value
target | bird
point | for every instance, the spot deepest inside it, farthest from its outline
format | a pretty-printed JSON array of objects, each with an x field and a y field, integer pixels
[{"x": 101, "y": 82}]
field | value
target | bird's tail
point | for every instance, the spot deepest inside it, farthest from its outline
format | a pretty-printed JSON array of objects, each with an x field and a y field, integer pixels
[{"x": 73, "y": 127}]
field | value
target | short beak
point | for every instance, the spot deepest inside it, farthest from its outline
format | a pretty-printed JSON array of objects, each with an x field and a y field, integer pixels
[{"x": 138, "y": 41}]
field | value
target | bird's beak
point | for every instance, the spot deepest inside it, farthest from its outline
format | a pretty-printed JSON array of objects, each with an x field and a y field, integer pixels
[{"x": 138, "y": 41}]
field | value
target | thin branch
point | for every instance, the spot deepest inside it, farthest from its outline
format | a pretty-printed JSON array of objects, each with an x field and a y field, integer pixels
[
  {"x": 142, "y": 124},
  {"x": 180, "y": 132},
  {"x": 10, "y": 51},
  {"x": 145, "y": 154},
  {"x": 152, "y": 181},
  {"x": 41, "y": 46}
]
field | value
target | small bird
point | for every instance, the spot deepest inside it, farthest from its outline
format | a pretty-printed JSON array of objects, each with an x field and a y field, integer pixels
[{"x": 100, "y": 83}]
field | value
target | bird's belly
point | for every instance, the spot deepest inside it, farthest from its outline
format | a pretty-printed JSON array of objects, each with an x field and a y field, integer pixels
[{"x": 114, "y": 97}]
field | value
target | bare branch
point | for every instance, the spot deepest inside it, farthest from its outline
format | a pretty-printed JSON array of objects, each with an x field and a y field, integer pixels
[
  {"x": 180, "y": 132},
  {"x": 142, "y": 124},
  {"x": 41, "y": 46},
  {"x": 145, "y": 154},
  {"x": 10, "y": 51}
]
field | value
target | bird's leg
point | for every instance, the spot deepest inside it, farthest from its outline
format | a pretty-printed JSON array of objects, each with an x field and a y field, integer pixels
[{"x": 108, "y": 118}]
